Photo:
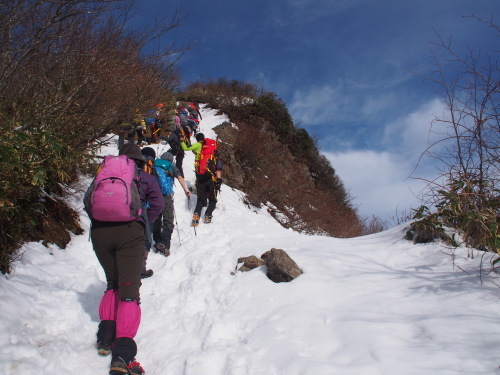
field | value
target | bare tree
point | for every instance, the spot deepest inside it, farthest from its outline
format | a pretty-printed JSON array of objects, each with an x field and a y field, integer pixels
[
  {"x": 70, "y": 71},
  {"x": 469, "y": 86},
  {"x": 78, "y": 67},
  {"x": 469, "y": 141}
]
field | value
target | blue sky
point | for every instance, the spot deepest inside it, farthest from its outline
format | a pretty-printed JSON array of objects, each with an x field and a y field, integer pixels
[{"x": 345, "y": 69}]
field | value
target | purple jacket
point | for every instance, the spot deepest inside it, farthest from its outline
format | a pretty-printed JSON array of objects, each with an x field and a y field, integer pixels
[{"x": 151, "y": 194}]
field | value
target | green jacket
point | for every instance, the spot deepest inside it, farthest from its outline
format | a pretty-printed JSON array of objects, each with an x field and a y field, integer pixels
[{"x": 195, "y": 147}]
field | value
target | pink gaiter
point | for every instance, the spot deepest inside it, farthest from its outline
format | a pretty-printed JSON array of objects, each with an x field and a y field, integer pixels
[
  {"x": 128, "y": 319},
  {"x": 109, "y": 305}
]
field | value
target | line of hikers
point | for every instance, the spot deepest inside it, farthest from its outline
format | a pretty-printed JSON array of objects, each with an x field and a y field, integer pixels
[
  {"x": 131, "y": 204},
  {"x": 148, "y": 128}
]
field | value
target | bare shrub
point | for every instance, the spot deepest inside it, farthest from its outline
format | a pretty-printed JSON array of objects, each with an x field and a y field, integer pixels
[
  {"x": 70, "y": 71},
  {"x": 374, "y": 225},
  {"x": 468, "y": 146}
]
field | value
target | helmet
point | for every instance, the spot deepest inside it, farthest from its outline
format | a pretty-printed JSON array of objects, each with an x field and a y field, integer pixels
[{"x": 160, "y": 106}]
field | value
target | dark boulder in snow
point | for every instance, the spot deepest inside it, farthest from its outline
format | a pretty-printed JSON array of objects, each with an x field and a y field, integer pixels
[{"x": 280, "y": 267}]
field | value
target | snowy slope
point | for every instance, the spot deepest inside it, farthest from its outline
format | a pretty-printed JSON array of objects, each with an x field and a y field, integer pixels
[{"x": 370, "y": 305}]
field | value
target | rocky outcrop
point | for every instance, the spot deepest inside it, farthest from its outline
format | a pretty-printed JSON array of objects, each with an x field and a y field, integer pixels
[{"x": 234, "y": 175}]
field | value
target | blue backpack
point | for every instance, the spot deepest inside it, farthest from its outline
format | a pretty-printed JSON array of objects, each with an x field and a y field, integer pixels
[{"x": 165, "y": 175}]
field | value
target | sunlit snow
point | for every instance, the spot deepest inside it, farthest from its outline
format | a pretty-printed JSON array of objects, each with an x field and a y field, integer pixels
[{"x": 369, "y": 305}]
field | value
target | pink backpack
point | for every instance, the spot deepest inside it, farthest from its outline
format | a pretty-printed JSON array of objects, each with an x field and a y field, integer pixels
[{"x": 114, "y": 194}]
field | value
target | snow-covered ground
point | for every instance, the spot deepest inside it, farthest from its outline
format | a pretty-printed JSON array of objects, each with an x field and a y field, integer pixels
[{"x": 370, "y": 305}]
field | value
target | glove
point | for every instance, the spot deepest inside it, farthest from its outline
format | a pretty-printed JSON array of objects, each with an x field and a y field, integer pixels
[{"x": 218, "y": 183}]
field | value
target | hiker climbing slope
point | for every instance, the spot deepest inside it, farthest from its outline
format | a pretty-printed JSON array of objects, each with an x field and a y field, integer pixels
[
  {"x": 164, "y": 226},
  {"x": 172, "y": 138},
  {"x": 208, "y": 169},
  {"x": 114, "y": 203}
]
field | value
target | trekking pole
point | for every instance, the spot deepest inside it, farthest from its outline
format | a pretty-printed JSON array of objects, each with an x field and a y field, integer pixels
[{"x": 177, "y": 227}]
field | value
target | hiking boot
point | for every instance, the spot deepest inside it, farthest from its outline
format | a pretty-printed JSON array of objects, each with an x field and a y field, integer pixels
[
  {"x": 207, "y": 219},
  {"x": 135, "y": 368},
  {"x": 196, "y": 219},
  {"x": 107, "y": 329},
  {"x": 162, "y": 249},
  {"x": 119, "y": 367},
  {"x": 146, "y": 274},
  {"x": 103, "y": 348}
]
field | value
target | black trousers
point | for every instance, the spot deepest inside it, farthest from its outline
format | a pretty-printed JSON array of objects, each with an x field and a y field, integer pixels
[
  {"x": 205, "y": 190},
  {"x": 179, "y": 158},
  {"x": 119, "y": 247}
]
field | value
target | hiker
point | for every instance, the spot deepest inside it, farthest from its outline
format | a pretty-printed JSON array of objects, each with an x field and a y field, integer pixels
[
  {"x": 172, "y": 138},
  {"x": 195, "y": 147},
  {"x": 154, "y": 121},
  {"x": 119, "y": 247},
  {"x": 155, "y": 131},
  {"x": 183, "y": 119},
  {"x": 139, "y": 126},
  {"x": 195, "y": 109},
  {"x": 182, "y": 113},
  {"x": 127, "y": 132},
  {"x": 208, "y": 169},
  {"x": 159, "y": 111},
  {"x": 172, "y": 117},
  {"x": 149, "y": 159},
  {"x": 194, "y": 117},
  {"x": 192, "y": 122},
  {"x": 164, "y": 225}
]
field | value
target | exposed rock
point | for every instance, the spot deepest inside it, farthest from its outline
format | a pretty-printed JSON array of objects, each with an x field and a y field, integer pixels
[
  {"x": 280, "y": 267},
  {"x": 233, "y": 173},
  {"x": 249, "y": 263}
]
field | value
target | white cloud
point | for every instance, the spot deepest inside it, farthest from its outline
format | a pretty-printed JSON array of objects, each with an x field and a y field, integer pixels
[
  {"x": 378, "y": 181},
  {"x": 373, "y": 105},
  {"x": 317, "y": 105},
  {"x": 411, "y": 134},
  {"x": 346, "y": 102}
]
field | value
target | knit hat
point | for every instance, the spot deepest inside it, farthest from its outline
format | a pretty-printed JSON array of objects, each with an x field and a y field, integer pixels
[
  {"x": 167, "y": 156},
  {"x": 149, "y": 153},
  {"x": 200, "y": 137},
  {"x": 132, "y": 151}
]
